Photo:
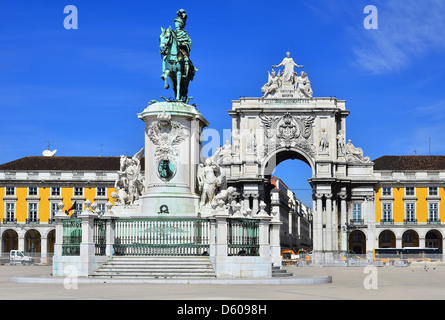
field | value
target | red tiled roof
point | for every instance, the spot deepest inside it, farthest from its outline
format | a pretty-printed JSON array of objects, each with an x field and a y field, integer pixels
[
  {"x": 409, "y": 163},
  {"x": 65, "y": 163}
]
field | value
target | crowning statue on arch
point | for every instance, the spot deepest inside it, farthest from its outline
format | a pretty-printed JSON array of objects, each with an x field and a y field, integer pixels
[{"x": 287, "y": 83}]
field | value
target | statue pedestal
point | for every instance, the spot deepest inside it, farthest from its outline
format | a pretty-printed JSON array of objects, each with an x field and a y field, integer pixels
[{"x": 173, "y": 151}]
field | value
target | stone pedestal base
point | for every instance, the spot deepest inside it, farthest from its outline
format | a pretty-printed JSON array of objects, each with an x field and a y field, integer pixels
[
  {"x": 169, "y": 205},
  {"x": 242, "y": 267},
  {"x": 173, "y": 153}
]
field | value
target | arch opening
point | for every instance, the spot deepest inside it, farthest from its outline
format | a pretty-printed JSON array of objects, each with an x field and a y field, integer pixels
[
  {"x": 433, "y": 239},
  {"x": 10, "y": 240},
  {"x": 289, "y": 193},
  {"x": 387, "y": 239},
  {"x": 357, "y": 242},
  {"x": 410, "y": 238},
  {"x": 32, "y": 241}
]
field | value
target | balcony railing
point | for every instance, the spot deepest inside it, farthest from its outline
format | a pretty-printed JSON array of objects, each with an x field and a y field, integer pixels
[
  {"x": 357, "y": 222},
  {"x": 387, "y": 221},
  {"x": 410, "y": 221},
  {"x": 433, "y": 221},
  {"x": 9, "y": 220}
]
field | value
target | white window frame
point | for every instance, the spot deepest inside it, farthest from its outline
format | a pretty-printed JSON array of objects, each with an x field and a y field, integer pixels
[
  {"x": 56, "y": 194},
  {"x": 435, "y": 193},
  {"x": 410, "y": 195},
  {"x": 436, "y": 210},
  {"x": 36, "y": 189},
  {"x": 53, "y": 208},
  {"x": 384, "y": 191},
  {"x": 7, "y": 216},
  {"x": 31, "y": 214},
  {"x": 408, "y": 210},
  {"x": 357, "y": 208},
  {"x": 387, "y": 211},
  {"x": 79, "y": 207},
  {"x": 75, "y": 189},
  {"x": 102, "y": 207},
  {"x": 104, "y": 192},
  {"x": 7, "y": 188}
]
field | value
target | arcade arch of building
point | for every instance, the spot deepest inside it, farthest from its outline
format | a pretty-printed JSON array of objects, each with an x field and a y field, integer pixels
[
  {"x": 37, "y": 241},
  {"x": 411, "y": 237}
]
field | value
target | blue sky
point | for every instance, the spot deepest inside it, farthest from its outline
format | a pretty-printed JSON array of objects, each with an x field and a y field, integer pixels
[{"x": 82, "y": 89}]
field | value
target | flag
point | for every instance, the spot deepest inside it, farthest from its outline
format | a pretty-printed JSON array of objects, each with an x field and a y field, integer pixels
[{"x": 72, "y": 207}]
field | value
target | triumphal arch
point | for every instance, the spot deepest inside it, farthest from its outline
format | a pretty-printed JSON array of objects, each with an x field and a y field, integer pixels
[{"x": 289, "y": 122}]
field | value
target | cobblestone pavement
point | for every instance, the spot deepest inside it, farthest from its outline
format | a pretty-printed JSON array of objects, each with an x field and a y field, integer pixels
[{"x": 417, "y": 281}]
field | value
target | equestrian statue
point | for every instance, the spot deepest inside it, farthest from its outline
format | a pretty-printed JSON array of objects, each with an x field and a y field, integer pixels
[{"x": 175, "y": 46}]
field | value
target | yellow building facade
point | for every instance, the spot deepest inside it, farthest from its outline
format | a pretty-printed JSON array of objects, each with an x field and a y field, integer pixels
[
  {"x": 405, "y": 211},
  {"x": 32, "y": 189},
  {"x": 409, "y": 201}
]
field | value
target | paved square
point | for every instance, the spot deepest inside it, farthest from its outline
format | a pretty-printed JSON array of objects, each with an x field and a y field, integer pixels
[{"x": 417, "y": 281}]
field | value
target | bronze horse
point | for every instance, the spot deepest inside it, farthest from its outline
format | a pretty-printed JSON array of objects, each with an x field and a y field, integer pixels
[{"x": 174, "y": 65}]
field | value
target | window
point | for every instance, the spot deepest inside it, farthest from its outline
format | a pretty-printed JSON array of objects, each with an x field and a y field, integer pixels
[
  {"x": 55, "y": 191},
  {"x": 10, "y": 191},
  {"x": 101, "y": 191},
  {"x": 410, "y": 212},
  {"x": 78, "y": 191},
  {"x": 32, "y": 191},
  {"x": 356, "y": 212},
  {"x": 54, "y": 209},
  {"x": 101, "y": 207},
  {"x": 432, "y": 191},
  {"x": 387, "y": 212},
  {"x": 78, "y": 209},
  {"x": 410, "y": 191},
  {"x": 386, "y": 191},
  {"x": 433, "y": 212},
  {"x": 10, "y": 212},
  {"x": 32, "y": 212}
]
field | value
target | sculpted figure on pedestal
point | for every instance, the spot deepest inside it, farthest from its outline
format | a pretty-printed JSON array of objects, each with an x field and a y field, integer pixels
[
  {"x": 226, "y": 152},
  {"x": 236, "y": 143},
  {"x": 209, "y": 180},
  {"x": 129, "y": 185},
  {"x": 251, "y": 142},
  {"x": 224, "y": 195},
  {"x": 354, "y": 154},
  {"x": 175, "y": 46},
  {"x": 288, "y": 83},
  {"x": 272, "y": 85},
  {"x": 341, "y": 148},
  {"x": 288, "y": 63},
  {"x": 304, "y": 85},
  {"x": 324, "y": 142}
]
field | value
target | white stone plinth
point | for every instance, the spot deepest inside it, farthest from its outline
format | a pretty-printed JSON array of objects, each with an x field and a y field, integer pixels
[
  {"x": 173, "y": 152},
  {"x": 242, "y": 267}
]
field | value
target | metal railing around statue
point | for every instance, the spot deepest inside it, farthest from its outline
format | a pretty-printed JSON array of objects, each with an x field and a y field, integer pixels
[
  {"x": 243, "y": 237},
  {"x": 157, "y": 236},
  {"x": 72, "y": 237},
  {"x": 99, "y": 237}
]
